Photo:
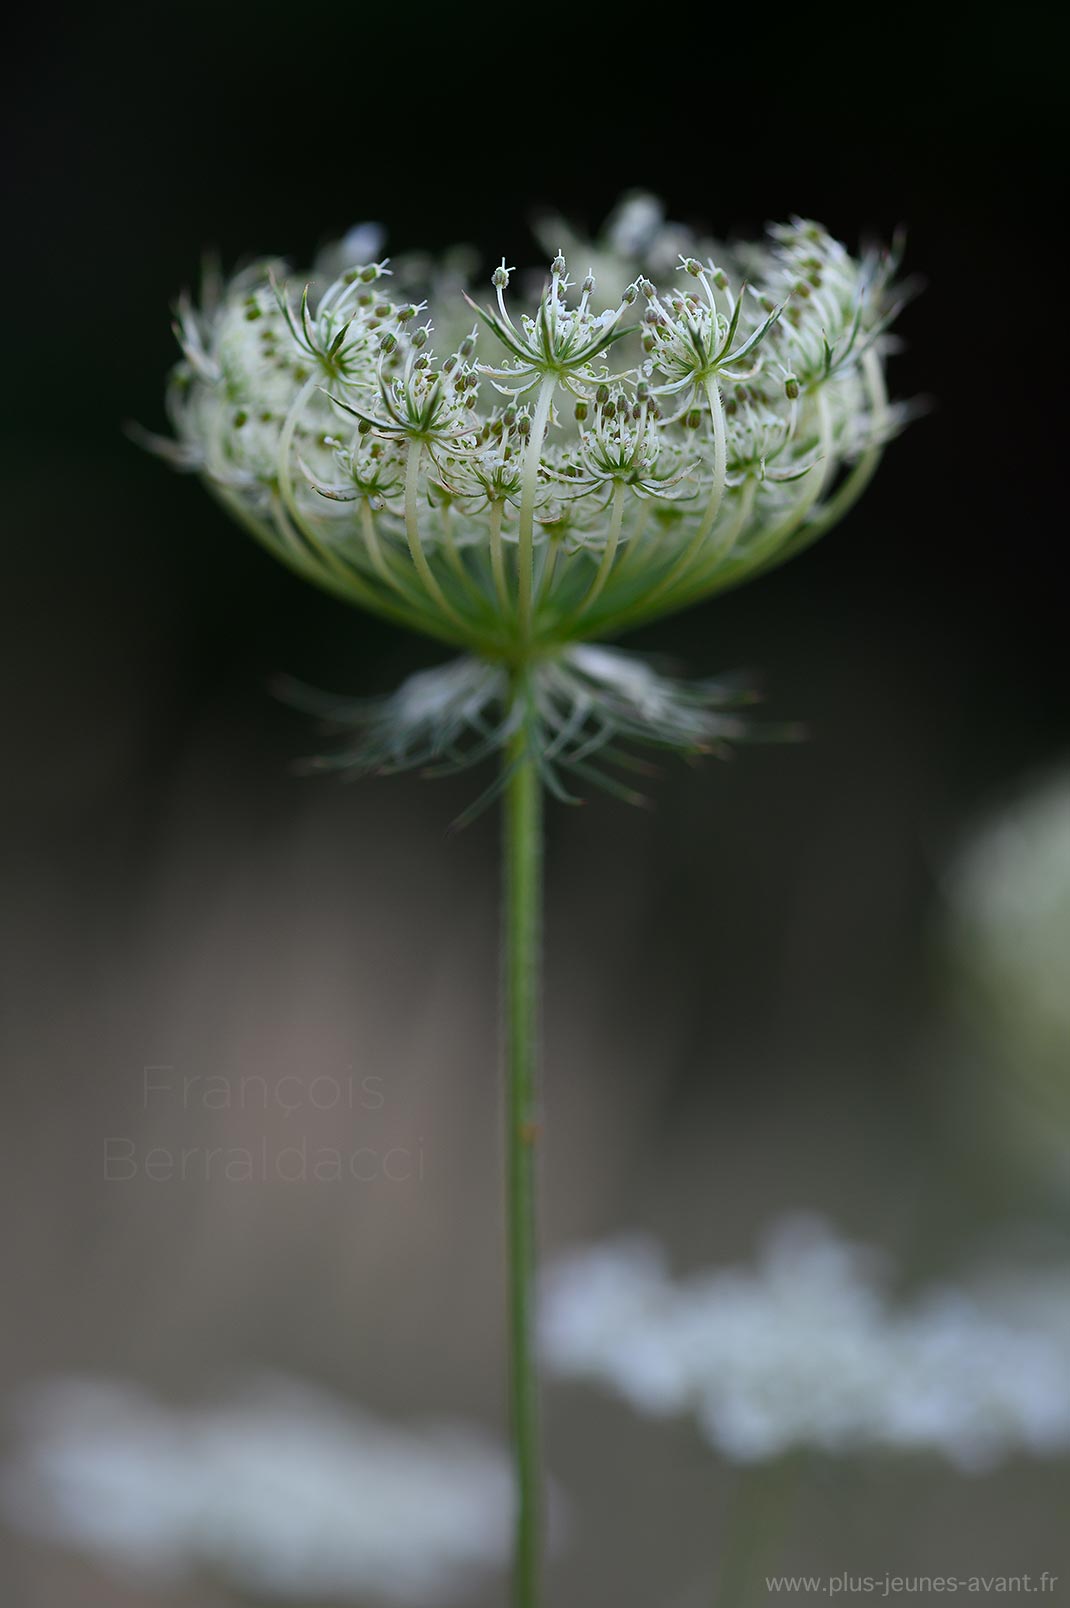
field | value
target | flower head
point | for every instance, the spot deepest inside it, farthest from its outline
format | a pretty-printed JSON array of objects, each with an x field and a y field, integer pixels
[{"x": 569, "y": 467}]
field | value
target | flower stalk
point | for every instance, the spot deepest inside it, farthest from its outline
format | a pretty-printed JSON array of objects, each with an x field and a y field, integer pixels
[{"x": 522, "y": 880}]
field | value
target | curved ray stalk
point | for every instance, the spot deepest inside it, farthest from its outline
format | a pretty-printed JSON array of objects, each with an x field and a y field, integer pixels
[
  {"x": 860, "y": 476},
  {"x": 350, "y": 583},
  {"x": 497, "y": 556},
  {"x": 610, "y": 551},
  {"x": 551, "y": 550},
  {"x": 634, "y": 541},
  {"x": 529, "y": 482},
  {"x": 383, "y": 568},
  {"x": 412, "y": 531},
  {"x": 720, "y": 471},
  {"x": 343, "y": 581},
  {"x": 732, "y": 569},
  {"x": 726, "y": 539},
  {"x": 456, "y": 561}
]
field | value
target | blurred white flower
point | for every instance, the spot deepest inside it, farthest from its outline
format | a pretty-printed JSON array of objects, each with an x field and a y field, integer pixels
[
  {"x": 1009, "y": 923},
  {"x": 285, "y": 1492},
  {"x": 808, "y": 1350}
]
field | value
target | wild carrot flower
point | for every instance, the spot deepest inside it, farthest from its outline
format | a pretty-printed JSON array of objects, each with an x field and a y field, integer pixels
[
  {"x": 554, "y": 469},
  {"x": 519, "y": 476}
]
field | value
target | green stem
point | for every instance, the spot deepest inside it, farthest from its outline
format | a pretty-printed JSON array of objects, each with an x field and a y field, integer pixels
[
  {"x": 523, "y": 920},
  {"x": 754, "y": 1533}
]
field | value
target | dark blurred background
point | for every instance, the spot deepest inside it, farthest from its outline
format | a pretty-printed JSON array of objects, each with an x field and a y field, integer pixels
[{"x": 747, "y": 1008}]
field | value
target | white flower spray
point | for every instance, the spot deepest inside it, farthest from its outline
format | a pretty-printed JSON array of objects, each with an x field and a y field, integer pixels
[
  {"x": 356, "y": 1508},
  {"x": 809, "y": 1350},
  {"x": 516, "y": 480}
]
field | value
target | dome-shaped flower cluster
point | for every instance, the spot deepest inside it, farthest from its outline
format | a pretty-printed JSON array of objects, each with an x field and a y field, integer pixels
[
  {"x": 520, "y": 477},
  {"x": 555, "y": 471}
]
